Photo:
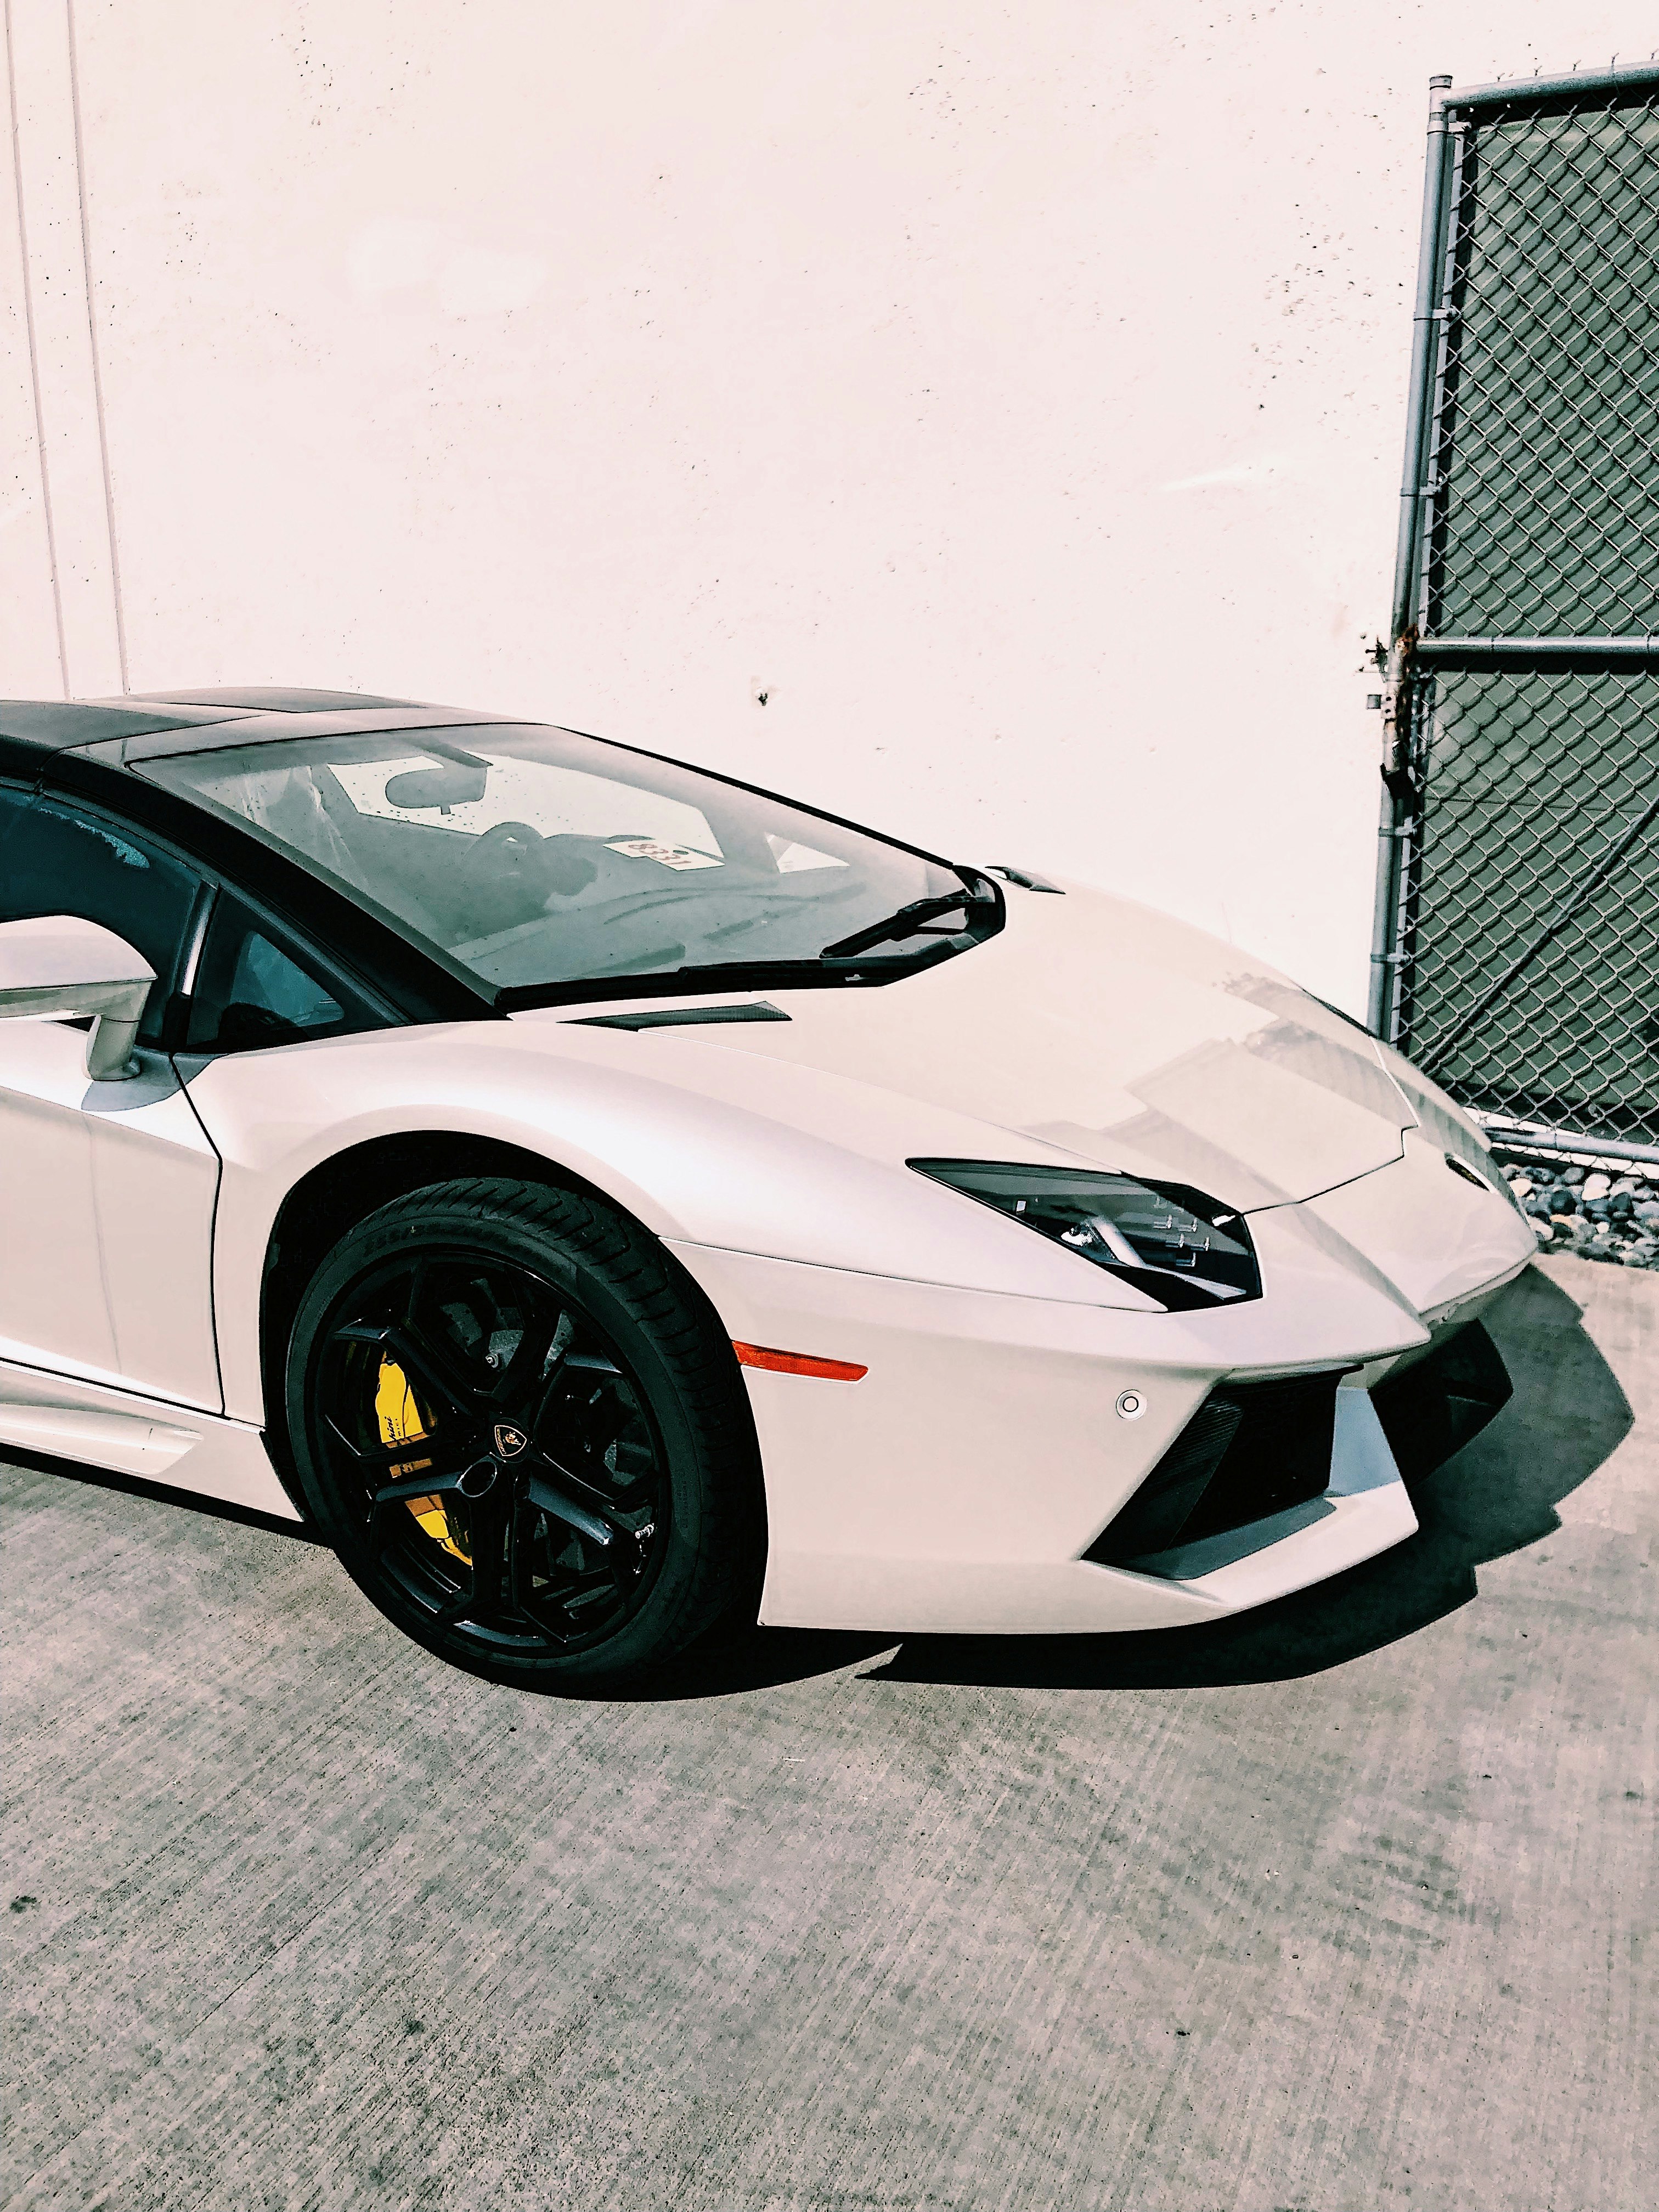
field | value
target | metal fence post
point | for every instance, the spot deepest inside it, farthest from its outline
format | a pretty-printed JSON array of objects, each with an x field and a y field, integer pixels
[{"x": 1398, "y": 801}]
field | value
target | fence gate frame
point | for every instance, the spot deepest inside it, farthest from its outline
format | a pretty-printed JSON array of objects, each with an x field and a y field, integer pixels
[{"x": 1418, "y": 650}]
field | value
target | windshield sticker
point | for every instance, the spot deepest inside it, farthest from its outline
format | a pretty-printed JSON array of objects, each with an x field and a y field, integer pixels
[
  {"x": 668, "y": 856},
  {"x": 792, "y": 858}
]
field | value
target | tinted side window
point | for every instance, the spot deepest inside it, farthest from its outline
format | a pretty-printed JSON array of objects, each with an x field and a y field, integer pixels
[
  {"x": 56, "y": 860},
  {"x": 14, "y": 802},
  {"x": 258, "y": 986}
]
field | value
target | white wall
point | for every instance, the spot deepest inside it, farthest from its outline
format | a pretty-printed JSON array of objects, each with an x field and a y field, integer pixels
[{"x": 1013, "y": 394}]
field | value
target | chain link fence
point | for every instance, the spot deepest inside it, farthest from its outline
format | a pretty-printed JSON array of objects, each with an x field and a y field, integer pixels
[
  {"x": 1531, "y": 994},
  {"x": 1516, "y": 951}
]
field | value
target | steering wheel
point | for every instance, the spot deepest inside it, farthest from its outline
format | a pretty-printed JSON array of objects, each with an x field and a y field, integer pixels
[
  {"x": 509, "y": 872},
  {"x": 504, "y": 847}
]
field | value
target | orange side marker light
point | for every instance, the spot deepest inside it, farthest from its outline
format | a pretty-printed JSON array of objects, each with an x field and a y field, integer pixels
[{"x": 797, "y": 1363}]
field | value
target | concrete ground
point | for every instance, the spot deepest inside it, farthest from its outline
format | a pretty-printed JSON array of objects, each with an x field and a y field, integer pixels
[{"x": 1341, "y": 1905}]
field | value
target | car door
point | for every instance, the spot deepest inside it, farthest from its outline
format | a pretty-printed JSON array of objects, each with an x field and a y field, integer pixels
[{"x": 107, "y": 1189}]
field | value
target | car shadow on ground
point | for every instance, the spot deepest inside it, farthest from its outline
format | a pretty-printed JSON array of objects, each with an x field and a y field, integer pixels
[{"x": 1497, "y": 1495}]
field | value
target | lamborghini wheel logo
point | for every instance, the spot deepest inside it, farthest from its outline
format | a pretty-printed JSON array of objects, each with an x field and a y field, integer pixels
[{"x": 509, "y": 1441}]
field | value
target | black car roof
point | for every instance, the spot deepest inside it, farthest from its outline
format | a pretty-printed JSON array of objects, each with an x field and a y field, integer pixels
[
  {"x": 54, "y": 725},
  {"x": 264, "y": 700},
  {"x": 194, "y": 721}
]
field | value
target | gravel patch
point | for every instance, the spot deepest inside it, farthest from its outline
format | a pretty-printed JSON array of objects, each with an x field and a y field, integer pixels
[{"x": 1594, "y": 1215}]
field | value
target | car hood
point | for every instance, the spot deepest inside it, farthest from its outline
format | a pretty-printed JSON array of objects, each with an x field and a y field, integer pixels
[{"x": 1111, "y": 1033}]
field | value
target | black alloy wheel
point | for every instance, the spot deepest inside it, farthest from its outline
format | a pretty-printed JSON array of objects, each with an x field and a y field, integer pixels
[{"x": 523, "y": 1432}]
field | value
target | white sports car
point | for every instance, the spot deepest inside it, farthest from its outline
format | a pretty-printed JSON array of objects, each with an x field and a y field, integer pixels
[{"x": 602, "y": 1197}]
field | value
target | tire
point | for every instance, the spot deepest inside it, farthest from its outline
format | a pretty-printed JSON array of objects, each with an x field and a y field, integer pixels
[{"x": 523, "y": 1431}]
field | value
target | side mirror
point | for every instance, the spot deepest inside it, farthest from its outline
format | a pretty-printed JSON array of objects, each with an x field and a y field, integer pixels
[{"x": 61, "y": 965}]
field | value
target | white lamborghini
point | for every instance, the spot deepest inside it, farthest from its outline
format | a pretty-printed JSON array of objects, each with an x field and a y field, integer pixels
[{"x": 603, "y": 1198}]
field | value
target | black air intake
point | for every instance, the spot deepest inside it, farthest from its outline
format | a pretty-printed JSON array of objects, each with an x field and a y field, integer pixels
[
  {"x": 1431, "y": 1409},
  {"x": 1252, "y": 1448}
]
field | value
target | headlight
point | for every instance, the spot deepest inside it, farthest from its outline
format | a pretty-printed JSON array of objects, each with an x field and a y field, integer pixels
[{"x": 1178, "y": 1246}]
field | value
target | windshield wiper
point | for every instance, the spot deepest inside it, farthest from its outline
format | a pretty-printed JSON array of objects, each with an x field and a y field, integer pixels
[
  {"x": 908, "y": 921},
  {"x": 841, "y": 962}
]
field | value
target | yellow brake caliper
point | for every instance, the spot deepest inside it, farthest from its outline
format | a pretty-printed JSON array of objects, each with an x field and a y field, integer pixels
[{"x": 401, "y": 1424}]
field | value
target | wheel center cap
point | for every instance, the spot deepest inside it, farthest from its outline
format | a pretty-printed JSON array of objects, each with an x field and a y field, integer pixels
[{"x": 509, "y": 1441}]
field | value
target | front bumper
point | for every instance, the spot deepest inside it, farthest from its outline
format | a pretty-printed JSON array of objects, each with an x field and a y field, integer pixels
[{"x": 958, "y": 1486}]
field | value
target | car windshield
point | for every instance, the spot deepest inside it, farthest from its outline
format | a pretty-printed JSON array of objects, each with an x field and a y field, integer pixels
[{"x": 539, "y": 858}]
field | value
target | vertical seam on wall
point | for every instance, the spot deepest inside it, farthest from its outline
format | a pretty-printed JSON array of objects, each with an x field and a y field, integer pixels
[
  {"x": 92, "y": 339},
  {"x": 35, "y": 357}
]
